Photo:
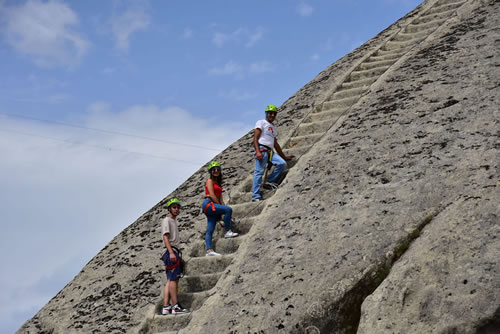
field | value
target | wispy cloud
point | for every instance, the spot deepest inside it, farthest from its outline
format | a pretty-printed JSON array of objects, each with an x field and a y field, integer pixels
[
  {"x": 43, "y": 31},
  {"x": 304, "y": 9},
  {"x": 239, "y": 71},
  {"x": 261, "y": 67},
  {"x": 240, "y": 36},
  {"x": 230, "y": 68},
  {"x": 238, "y": 95},
  {"x": 132, "y": 19},
  {"x": 87, "y": 172}
]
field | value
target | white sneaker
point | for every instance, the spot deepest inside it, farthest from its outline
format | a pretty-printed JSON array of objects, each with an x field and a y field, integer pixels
[
  {"x": 230, "y": 234},
  {"x": 177, "y": 308},
  {"x": 166, "y": 310},
  {"x": 212, "y": 253}
]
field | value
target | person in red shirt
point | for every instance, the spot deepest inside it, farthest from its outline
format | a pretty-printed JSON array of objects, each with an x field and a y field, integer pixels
[{"x": 213, "y": 206}]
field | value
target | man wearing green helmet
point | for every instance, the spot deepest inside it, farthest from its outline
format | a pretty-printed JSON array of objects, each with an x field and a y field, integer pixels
[
  {"x": 172, "y": 258},
  {"x": 264, "y": 142}
]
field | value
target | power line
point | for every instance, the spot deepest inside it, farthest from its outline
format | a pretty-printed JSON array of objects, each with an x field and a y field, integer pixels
[
  {"x": 98, "y": 146},
  {"x": 109, "y": 131}
]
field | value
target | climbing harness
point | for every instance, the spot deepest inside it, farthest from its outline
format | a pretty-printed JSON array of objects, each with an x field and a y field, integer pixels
[
  {"x": 209, "y": 204},
  {"x": 165, "y": 257}
]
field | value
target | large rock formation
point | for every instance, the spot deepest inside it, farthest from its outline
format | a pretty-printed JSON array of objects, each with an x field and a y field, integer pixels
[{"x": 388, "y": 221}]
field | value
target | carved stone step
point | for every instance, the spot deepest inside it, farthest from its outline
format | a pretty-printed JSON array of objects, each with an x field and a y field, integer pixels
[
  {"x": 324, "y": 115},
  {"x": 316, "y": 127},
  {"x": 369, "y": 64},
  {"x": 383, "y": 51},
  {"x": 429, "y": 26},
  {"x": 199, "y": 282},
  {"x": 350, "y": 92},
  {"x": 167, "y": 323},
  {"x": 433, "y": 17},
  {"x": 444, "y": 8},
  {"x": 358, "y": 83},
  {"x": 299, "y": 150},
  {"x": 228, "y": 246},
  {"x": 303, "y": 141},
  {"x": 412, "y": 36},
  {"x": 396, "y": 45},
  {"x": 340, "y": 103},
  {"x": 207, "y": 264},
  {"x": 241, "y": 196},
  {"x": 248, "y": 209},
  {"x": 371, "y": 73},
  {"x": 447, "y": 2}
]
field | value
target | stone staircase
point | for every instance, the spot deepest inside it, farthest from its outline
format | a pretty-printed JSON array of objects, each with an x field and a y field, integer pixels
[{"x": 203, "y": 273}]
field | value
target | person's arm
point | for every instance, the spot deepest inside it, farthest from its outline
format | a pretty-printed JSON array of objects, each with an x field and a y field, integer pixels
[
  {"x": 169, "y": 247},
  {"x": 211, "y": 191},
  {"x": 256, "y": 136},
  {"x": 277, "y": 147}
]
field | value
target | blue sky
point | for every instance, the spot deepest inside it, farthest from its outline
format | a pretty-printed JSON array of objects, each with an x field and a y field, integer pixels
[{"x": 107, "y": 106}]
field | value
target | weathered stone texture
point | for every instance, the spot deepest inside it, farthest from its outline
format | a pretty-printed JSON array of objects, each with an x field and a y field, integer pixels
[{"x": 388, "y": 224}]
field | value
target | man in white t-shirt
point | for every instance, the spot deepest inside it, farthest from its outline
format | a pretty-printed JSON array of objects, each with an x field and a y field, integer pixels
[{"x": 264, "y": 141}]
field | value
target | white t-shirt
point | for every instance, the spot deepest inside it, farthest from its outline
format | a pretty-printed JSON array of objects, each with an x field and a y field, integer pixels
[
  {"x": 169, "y": 225},
  {"x": 268, "y": 133}
]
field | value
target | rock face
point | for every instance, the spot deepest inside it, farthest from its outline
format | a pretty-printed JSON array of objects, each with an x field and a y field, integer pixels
[{"x": 387, "y": 222}]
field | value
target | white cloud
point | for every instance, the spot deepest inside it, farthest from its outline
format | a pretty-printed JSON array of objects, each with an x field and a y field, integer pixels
[
  {"x": 315, "y": 57},
  {"x": 304, "y": 9},
  {"x": 62, "y": 201},
  {"x": 43, "y": 31},
  {"x": 239, "y": 71},
  {"x": 133, "y": 19},
  {"x": 240, "y": 36}
]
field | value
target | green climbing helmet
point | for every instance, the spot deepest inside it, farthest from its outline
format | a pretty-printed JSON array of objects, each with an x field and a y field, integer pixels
[
  {"x": 173, "y": 201},
  {"x": 271, "y": 107},
  {"x": 213, "y": 164}
]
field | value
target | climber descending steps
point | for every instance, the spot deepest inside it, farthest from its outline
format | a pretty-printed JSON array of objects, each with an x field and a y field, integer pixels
[{"x": 202, "y": 273}]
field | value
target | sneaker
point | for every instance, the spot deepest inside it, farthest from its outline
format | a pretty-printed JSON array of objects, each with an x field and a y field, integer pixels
[
  {"x": 270, "y": 185},
  {"x": 258, "y": 199},
  {"x": 212, "y": 253},
  {"x": 230, "y": 234},
  {"x": 179, "y": 309},
  {"x": 166, "y": 310}
]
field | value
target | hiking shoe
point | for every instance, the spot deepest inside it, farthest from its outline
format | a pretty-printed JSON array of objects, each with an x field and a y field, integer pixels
[
  {"x": 230, "y": 234},
  {"x": 178, "y": 309},
  {"x": 166, "y": 310},
  {"x": 212, "y": 253},
  {"x": 270, "y": 185}
]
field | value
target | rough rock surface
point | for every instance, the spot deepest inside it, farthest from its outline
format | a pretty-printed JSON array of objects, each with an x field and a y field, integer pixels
[{"x": 388, "y": 222}]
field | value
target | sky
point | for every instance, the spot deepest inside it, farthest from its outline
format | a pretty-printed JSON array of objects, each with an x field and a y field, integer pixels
[{"x": 107, "y": 106}]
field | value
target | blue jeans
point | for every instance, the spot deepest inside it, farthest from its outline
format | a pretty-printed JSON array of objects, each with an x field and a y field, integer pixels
[
  {"x": 260, "y": 167},
  {"x": 213, "y": 213}
]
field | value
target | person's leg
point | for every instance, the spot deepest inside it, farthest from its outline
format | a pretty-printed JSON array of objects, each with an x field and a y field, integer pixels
[
  {"x": 211, "y": 221},
  {"x": 279, "y": 167},
  {"x": 173, "y": 291},
  {"x": 260, "y": 167},
  {"x": 227, "y": 211},
  {"x": 166, "y": 295}
]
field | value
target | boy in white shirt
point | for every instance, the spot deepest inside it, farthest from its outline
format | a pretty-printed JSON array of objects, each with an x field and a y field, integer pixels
[{"x": 171, "y": 258}]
